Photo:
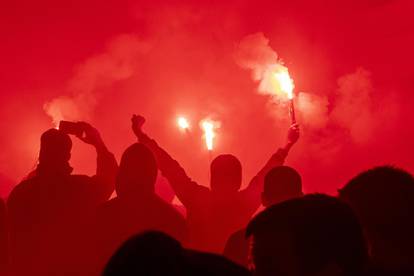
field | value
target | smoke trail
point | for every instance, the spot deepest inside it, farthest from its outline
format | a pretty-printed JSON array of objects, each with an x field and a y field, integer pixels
[
  {"x": 254, "y": 53},
  {"x": 353, "y": 108},
  {"x": 116, "y": 63}
]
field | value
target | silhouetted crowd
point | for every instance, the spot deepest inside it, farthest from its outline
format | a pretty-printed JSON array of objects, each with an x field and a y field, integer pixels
[{"x": 58, "y": 223}]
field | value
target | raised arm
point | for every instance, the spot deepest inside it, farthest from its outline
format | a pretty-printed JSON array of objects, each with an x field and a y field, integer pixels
[
  {"x": 103, "y": 183},
  {"x": 255, "y": 187},
  {"x": 185, "y": 189}
]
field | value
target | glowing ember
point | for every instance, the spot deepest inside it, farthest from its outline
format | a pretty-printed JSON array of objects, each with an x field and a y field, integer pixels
[
  {"x": 208, "y": 128},
  {"x": 183, "y": 123}
]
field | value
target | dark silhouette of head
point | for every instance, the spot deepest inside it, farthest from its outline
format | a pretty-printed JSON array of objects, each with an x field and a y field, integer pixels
[
  {"x": 155, "y": 253},
  {"x": 226, "y": 174},
  {"x": 280, "y": 184},
  {"x": 383, "y": 199},
  {"x": 209, "y": 264},
  {"x": 150, "y": 253},
  {"x": 137, "y": 172},
  {"x": 55, "y": 147},
  {"x": 310, "y": 235}
]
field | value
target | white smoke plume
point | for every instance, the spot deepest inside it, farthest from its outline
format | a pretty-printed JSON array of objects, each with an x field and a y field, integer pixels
[
  {"x": 254, "y": 53},
  {"x": 116, "y": 63}
]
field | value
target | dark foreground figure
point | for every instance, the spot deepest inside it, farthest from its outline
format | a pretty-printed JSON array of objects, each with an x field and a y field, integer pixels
[
  {"x": 4, "y": 254},
  {"x": 154, "y": 253},
  {"x": 136, "y": 208},
  {"x": 280, "y": 184},
  {"x": 214, "y": 213},
  {"x": 311, "y": 235},
  {"x": 383, "y": 199},
  {"x": 50, "y": 209}
]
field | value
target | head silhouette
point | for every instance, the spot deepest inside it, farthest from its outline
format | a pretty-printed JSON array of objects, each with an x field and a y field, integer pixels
[
  {"x": 383, "y": 199},
  {"x": 155, "y": 253},
  {"x": 137, "y": 172},
  {"x": 149, "y": 253},
  {"x": 280, "y": 184},
  {"x": 310, "y": 235},
  {"x": 55, "y": 148},
  {"x": 226, "y": 174}
]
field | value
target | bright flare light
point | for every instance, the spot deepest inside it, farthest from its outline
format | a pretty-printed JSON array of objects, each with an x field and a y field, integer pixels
[
  {"x": 282, "y": 86},
  {"x": 285, "y": 83},
  {"x": 208, "y": 128},
  {"x": 183, "y": 123}
]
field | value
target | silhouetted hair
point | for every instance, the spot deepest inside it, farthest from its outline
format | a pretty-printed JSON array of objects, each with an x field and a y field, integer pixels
[
  {"x": 209, "y": 264},
  {"x": 137, "y": 171},
  {"x": 55, "y": 146},
  {"x": 150, "y": 253},
  {"x": 155, "y": 253},
  {"x": 226, "y": 173},
  {"x": 383, "y": 199},
  {"x": 282, "y": 183},
  {"x": 323, "y": 230}
]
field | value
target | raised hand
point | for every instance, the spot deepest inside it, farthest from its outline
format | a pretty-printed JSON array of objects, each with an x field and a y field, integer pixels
[
  {"x": 90, "y": 135},
  {"x": 293, "y": 134},
  {"x": 137, "y": 123}
]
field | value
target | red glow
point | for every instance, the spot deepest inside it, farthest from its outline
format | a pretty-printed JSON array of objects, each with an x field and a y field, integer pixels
[{"x": 157, "y": 59}]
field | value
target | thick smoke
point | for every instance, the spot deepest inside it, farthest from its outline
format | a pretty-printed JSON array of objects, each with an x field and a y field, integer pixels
[
  {"x": 254, "y": 53},
  {"x": 195, "y": 59},
  {"x": 116, "y": 63},
  {"x": 353, "y": 108}
]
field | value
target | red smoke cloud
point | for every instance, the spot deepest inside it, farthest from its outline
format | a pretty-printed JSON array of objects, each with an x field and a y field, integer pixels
[{"x": 102, "y": 62}]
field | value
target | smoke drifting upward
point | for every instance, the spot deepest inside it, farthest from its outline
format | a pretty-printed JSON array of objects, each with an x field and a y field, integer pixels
[
  {"x": 348, "y": 115},
  {"x": 255, "y": 53},
  {"x": 353, "y": 108},
  {"x": 115, "y": 64}
]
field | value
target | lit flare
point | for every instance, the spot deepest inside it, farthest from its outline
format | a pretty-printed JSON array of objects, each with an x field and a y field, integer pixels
[
  {"x": 209, "y": 134},
  {"x": 183, "y": 123},
  {"x": 285, "y": 83}
]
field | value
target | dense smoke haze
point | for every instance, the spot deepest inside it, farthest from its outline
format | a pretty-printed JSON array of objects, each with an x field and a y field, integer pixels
[{"x": 104, "y": 61}]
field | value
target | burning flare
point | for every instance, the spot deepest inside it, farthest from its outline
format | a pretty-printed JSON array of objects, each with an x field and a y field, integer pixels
[
  {"x": 285, "y": 82},
  {"x": 277, "y": 82},
  {"x": 209, "y": 134},
  {"x": 183, "y": 123}
]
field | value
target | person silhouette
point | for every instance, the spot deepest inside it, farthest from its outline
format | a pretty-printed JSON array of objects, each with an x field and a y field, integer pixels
[
  {"x": 4, "y": 244},
  {"x": 383, "y": 199},
  {"x": 280, "y": 184},
  {"x": 155, "y": 253},
  {"x": 136, "y": 208},
  {"x": 311, "y": 235},
  {"x": 216, "y": 212},
  {"x": 49, "y": 209}
]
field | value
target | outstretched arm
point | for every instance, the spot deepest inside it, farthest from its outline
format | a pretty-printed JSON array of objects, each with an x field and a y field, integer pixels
[
  {"x": 106, "y": 167},
  {"x": 185, "y": 189},
  {"x": 255, "y": 187}
]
